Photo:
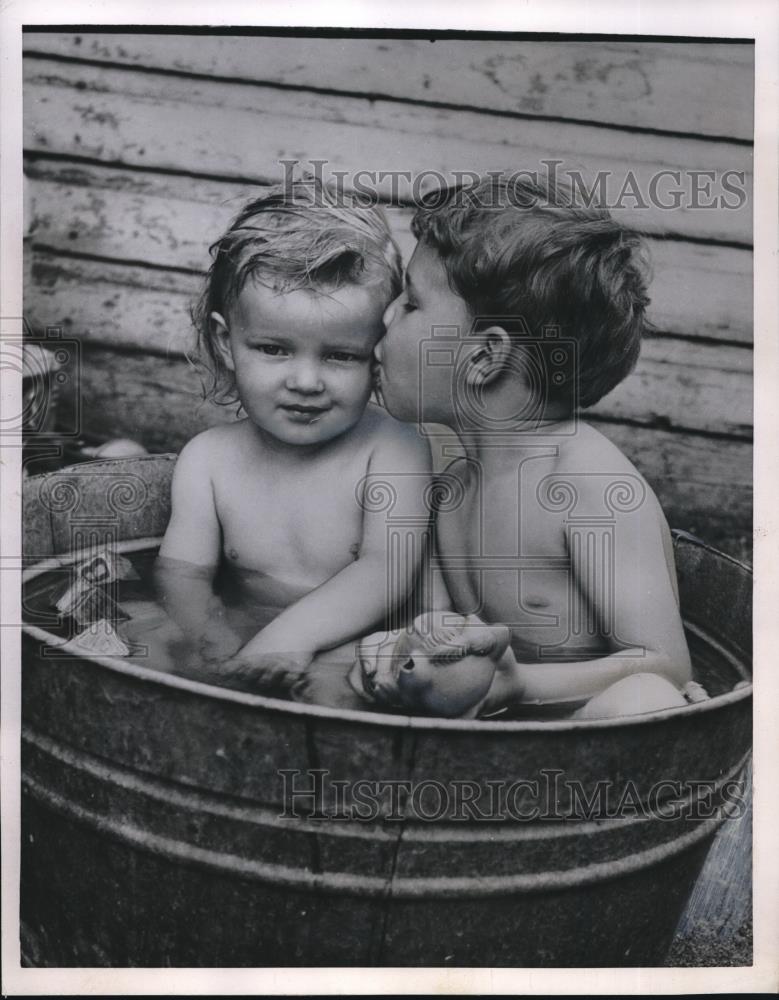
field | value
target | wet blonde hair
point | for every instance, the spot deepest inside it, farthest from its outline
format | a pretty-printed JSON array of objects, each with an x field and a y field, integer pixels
[{"x": 300, "y": 235}]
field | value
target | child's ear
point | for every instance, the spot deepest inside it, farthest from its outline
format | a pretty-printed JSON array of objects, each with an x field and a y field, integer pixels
[
  {"x": 220, "y": 335},
  {"x": 490, "y": 358}
]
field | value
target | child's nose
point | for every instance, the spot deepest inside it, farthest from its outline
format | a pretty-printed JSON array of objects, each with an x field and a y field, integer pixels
[{"x": 305, "y": 377}]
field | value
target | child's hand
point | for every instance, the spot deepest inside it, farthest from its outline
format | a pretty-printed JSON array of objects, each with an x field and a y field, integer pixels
[
  {"x": 201, "y": 656},
  {"x": 268, "y": 664},
  {"x": 273, "y": 675},
  {"x": 216, "y": 647},
  {"x": 371, "y": 675}
]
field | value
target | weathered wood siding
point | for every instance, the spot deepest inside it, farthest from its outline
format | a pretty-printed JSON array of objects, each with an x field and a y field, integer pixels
[{"x": 140, "y": 148}]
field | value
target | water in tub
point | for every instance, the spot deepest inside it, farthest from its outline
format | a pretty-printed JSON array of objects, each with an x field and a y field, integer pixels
[
  {"x": 120, "y": 612},
  {"x": 112, "y": 608}
]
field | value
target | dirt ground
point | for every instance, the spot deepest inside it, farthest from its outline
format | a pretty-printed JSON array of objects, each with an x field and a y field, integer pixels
[{"x": 709, "y": 950}]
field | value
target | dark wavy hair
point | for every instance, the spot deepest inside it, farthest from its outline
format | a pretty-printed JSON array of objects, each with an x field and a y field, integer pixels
[
  {"x": 294, "y": 236},
  {"x": 523, "y": 250}
]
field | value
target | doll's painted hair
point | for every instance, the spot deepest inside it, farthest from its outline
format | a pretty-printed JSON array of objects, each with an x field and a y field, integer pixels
[
  {"x": 524, "y": 253},
  {"x": 299, "y": 235}
]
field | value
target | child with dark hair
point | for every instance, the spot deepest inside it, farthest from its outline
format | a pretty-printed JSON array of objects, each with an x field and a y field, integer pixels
[
  {"x": 288, "y": 322},
  {"x": 520, "y": 307}
]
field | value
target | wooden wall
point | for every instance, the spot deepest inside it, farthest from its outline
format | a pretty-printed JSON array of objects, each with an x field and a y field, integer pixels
[{"x": 140, "y": 148}]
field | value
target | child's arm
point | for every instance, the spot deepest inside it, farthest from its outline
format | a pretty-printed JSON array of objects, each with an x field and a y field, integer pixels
[
  {"x": 359, "y": 597},
  {"x": 189, "y": 554},
  {"x": 634, "y": 603},
  {"x": 374, "y": 651},
  {"x": 435, "y": 593}
]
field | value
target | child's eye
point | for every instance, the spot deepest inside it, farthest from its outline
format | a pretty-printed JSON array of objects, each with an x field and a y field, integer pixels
[
  {"x": 344, "y": 356},
  {"x": 409, "y": 306},
  {"x": 272, "y": 350}
]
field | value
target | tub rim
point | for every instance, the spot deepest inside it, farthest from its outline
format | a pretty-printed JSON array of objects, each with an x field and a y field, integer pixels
[{"x": 385, "y": 719}]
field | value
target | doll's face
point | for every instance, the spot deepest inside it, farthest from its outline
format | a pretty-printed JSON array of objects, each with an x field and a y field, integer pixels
[
  {"x": 449, "y": 690},
  {"x": 417, "y": 672}
]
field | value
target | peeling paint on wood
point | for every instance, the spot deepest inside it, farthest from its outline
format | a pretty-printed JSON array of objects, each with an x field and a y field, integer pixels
[
  {"x": 620, "y": 83},
  {"x": 170, "y": 221},
  {"x": 146, "y": 221},
  {"x": 171, "y": 123}
]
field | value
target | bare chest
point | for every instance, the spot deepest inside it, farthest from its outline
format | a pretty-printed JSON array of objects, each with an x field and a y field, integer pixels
[
  {"x": 300, "y": 526},
  {"x": 505, "y": 558}
]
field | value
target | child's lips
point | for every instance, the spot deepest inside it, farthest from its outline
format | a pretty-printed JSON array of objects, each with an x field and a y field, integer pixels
[{"x": 302, "y": 412}]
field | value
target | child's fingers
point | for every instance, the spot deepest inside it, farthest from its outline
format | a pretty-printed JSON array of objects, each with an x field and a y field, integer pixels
[
  {"x": 300, "y": 686},
  {"x": 274, "y": 676}
]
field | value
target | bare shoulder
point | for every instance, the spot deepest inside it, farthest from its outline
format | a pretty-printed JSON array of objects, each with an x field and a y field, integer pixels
[
  {"x": 607, "y": 484},
  {"x": 205, "y": 447},
  {"x": 591, "y": 456},
  {"x": 388, "y": 436},
  {"x": 588, "y": 450},
  {"x": 207, "y": 453},
  {"x": 604, "y": 475}
]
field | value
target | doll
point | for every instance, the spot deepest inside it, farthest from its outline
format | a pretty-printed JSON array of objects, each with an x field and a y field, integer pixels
[
  {"x": 455, "y": 666},
  {"x": 444, "y": 666}
]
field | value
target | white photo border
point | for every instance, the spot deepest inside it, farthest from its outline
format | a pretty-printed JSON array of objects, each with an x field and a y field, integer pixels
[{"x": 758, "y": 19}]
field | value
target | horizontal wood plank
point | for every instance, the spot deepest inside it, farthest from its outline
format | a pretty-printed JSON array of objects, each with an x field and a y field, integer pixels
[
  {"x": 700, "y": 290},
  {"x": 704, "y": 387},
  {"x": 691, "y": 87},
  {"x": 135, "y": 307},
  {"x": 156, "y": 401},
  {"x": 170, "y": 221},
  {"x": 695, "y": 386},
  {"x": 703, "y": 484},
  {"x": 692, "y": 476},
  {"x": 233, "y": 130}
]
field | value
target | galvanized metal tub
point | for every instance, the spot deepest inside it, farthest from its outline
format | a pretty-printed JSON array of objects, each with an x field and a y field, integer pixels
[{"x": 157, "y": 828}]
